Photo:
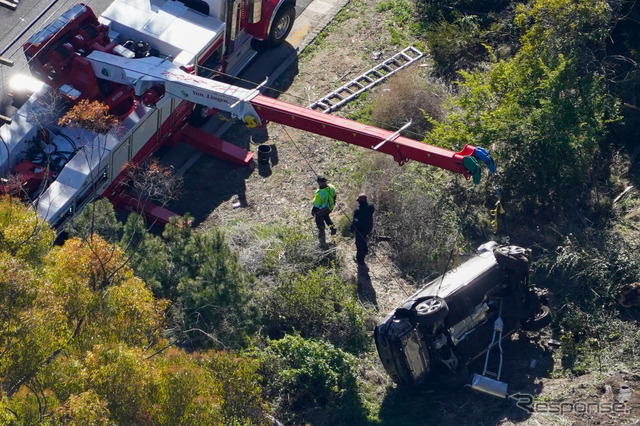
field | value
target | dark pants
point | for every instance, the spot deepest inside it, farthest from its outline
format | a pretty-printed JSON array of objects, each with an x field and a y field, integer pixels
[
  {"x": 321, "y": 219},
  {"x": 361, "y": 247}
]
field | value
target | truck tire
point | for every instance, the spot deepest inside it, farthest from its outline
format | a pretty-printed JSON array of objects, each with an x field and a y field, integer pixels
[
  {"x": 430, "y": 310},
  {"x": 540, "y": 320},
  {"x": 281, "y": 25}
]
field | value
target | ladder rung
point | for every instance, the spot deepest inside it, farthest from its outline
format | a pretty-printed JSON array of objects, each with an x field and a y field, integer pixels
[{"x": 367, "y": 80}]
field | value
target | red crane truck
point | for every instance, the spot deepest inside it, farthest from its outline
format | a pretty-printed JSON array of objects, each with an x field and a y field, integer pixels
[{"x": 150, "y": 62}]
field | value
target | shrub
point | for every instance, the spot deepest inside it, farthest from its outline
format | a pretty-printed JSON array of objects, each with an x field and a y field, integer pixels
[
  {"x": 584, "y": 276},
  {"x": 407, "y": 96},
  {"x": 456, "y": 45},
  {"x": 201, "y": 275},
  {"x": 312, "y": 379},
  {"x": 97, "y": 217},
  {"x": 415, "y": 212},
  {"x": 318, "y": 305}
]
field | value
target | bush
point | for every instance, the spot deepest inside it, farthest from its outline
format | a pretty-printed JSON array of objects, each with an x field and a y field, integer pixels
[
  {"x": 201, "y": 275},
  {"x": 415, "y": 211},
  {"x": 456, "y": 45},
  {"x": 318, "y": 305},
  {"x": 585, "y": 275},
  {"x": 311, "y": 379},
  {"x": 268, "y": 250},
  {"x": 97, "y": 217},
  {"x": 407, "y": 97}
]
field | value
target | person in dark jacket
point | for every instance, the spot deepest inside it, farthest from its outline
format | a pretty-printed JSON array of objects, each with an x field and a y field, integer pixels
[{"x": 361, "y": 226}]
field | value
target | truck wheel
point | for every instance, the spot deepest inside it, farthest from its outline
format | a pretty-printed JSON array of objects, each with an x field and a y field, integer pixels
[
  {"x": 431, "y": 310},
  {"x": 512, "y": 257},
  {"x": 281, "y": 26},
  {"x": 541, "y": 319}
]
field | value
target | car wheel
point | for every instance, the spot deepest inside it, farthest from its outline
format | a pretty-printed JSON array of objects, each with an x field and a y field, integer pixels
[
  {"x": 512, "y": 257},
  {"x": 431, "y": 310},
  {"x": 281, "y": 26},
  {"x": 541, "y": 319}
]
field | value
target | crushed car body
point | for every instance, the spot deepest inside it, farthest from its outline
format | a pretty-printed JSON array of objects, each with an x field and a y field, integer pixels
[{"x": 432, "y": 337}]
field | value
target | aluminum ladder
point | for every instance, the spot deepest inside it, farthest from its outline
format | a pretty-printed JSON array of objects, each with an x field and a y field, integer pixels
[{"x": 364, "y": 82}]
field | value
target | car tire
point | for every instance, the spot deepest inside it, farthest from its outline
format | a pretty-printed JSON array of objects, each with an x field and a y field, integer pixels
[
  {"x": 541, "y": 319},
  {"x": 281, "y": 25},
  {"x": 430, "y": 310},
  {"x": 512, "y": 257}
]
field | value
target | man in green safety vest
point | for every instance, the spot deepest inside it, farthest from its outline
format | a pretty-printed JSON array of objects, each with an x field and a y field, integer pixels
[{"x": 323, "y": 202}]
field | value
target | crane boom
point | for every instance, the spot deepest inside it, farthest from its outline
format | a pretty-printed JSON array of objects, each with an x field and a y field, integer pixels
[
  {"x": 157, "y": 76},
  {"x": 402, "y": 149}
]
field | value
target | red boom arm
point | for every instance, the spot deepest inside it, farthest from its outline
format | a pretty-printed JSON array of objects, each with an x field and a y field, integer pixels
[{"x": 401, "y": 148}]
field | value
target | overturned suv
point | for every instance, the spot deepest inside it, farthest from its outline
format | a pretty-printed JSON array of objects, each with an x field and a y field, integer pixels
[{"x": 449, "y": 323}]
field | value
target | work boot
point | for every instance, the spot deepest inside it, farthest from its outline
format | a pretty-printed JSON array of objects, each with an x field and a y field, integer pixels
[
  {"x": 333, "y": 230},
  {"x": 322, "y": 239}
]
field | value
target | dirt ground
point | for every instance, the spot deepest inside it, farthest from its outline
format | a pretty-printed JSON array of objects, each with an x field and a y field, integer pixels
[{"x": 282, "y": 191}]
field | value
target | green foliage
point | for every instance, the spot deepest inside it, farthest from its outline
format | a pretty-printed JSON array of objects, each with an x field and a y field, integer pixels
[
  {"x": 590, "y": 278},
  {"x": 311, "y": 379},
  {"x": 80, "y": 342},
  {"x": 187, "y": 393},
  {"x": 317, "y": 305},
  {"x": 585, "y": 275},
  {"x": 401, "y": 10},
  {"x": 455, "y": 45},
  {"x": 238, "y": 376},
  {"x": 96, "y": 218},
  {"x": 541, "y": 113},
  {"x": 433, "y": 10},
  {"x": 22, "y": 233},
  {"x": 83, "y": 409},
  {"x": 200, "y": 274}
]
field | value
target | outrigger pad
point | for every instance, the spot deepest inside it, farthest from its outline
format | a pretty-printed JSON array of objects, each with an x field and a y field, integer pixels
[{"x": 471, "y": 164}]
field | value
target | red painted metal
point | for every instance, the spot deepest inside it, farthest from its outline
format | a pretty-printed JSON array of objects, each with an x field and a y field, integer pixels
[
  {"x": 151, "y": 211},
  {"x": 402, "y": 149},
  {"x": 217, "y": 147}
]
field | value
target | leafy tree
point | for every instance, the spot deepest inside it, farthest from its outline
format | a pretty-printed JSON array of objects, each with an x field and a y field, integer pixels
[
  {"x": 545, "y": 111},
  {"x": 22, "y": 233},
  {"x": 80, "y": 343},
  {"x": 83, "y": 409},
  {"x": 98, "y": 217},
  {"x": 200, "y": 274}
]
